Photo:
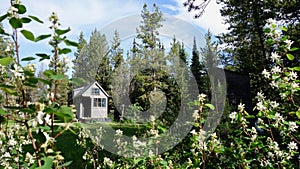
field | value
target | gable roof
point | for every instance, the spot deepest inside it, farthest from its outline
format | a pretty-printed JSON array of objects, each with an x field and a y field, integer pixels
[{"x": 87, "y": 87}]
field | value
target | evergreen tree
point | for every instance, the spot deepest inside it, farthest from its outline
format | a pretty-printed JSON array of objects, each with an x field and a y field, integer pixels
[
  {"x": 92, "y": 61},
  {"x": 79, "y": 68},
  {"x": 116, "y": 51},
  {"x": 197, "y": 69}
]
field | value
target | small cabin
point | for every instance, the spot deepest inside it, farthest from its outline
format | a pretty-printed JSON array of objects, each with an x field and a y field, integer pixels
[{"x": 91, "y": 103}]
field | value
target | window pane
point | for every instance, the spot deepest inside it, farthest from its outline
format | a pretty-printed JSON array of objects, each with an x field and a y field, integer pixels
[
  {"x": 103, "y": 102},
  {"x": 95, "y": 102}
]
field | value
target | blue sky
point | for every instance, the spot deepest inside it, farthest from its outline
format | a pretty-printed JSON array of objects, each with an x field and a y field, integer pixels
[{"x": 106, "y": 15}]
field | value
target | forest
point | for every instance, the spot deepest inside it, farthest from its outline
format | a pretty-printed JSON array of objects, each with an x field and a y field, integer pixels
[{"x": 168, "y": 105}]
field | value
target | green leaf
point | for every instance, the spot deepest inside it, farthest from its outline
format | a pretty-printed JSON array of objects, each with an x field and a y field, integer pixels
[
  {"x": 293, "y": 49},
  {"x": 35, "y": 18},
  {"x": 3, "y": 17},
  {"x": 44, "y": 81},
  {"x": 48, "y": 163},
  {"x": 25, "y": 20},
  {"x": 290, "y": 56},
  {"x": 61, "y": 31},
  {"x": 71, "y": 43},
  {"x": 65, "y": 113},
  {"x": 15, "y": 23},
  {"x": 3, "y": 112},
  {"x": 66, "y": 164},
  {"x": 6, "y": 61},
  {"x": 48, "y": 73},
  {"x": 295, "y": 68},
  {"x": 10, "y": 91},
  {"x": 298, "y": 114},
  {"x": 64, "y": 51},
  {"x": 212, "y": 107},
  {"x": 43, "y": 56},
  {"x": 42, "y": 37},
  {"x": 21, "y": 8},
  {"x": 59, "y": 77},
  {"x": 28, "y": 58},
  {"x": 77, "y": 81},
  {"x": 28, "y": 35}
]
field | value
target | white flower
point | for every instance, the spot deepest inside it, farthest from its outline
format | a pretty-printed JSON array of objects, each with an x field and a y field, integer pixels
[
  {"x": 275, "y": 57},
  {"x": 151, "y": 153},
  {"x": 274, "y": 104},
  {"x": 193, "y": 132},
  {"x": 189, "y": 161},
  {"x": 48, "y": 119},
  {"x": 12, "y": 142},
  {"x": 49, "y": 140},
  {"x": 201, "y": 97},
  {"x": 271, "y": 21},
  {"x": 274, "y": 84},
  {"x": 292, "y": 126},
  {"x": 241, "y": 107},
  {"x": 277, "y": 33},
  {"x": 266, "y": 74},
  {"x": 295, "y": 85},
  {"x": 134, "y": 138},
  {"x": 29, "y": 158},
  {"x": 12, "y": 9},
  {"x": 107, "y": 161},
  {"x": 292, "y": 146},
  {"x": 278, "y": 117},
  {"x": 40, "y": 116},
  {"x": 152, "y": 118},
  {"x": 260, "y": 96},
  {"x": 293, "y": 75},
  {"x": 276, "y": 69},
  {"x": 260, "y": 106},
  {"x": 288, "y": 43},
  {"x": 195, "y": 115},
  {"x": 232, "y": 116},
  {"x": 119, "y": 132}
]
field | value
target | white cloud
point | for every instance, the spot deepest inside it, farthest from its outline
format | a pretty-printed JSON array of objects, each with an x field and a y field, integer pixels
[{"x": 211, "y": 19}]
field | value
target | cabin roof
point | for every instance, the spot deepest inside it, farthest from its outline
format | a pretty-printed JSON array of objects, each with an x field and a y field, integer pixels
[{"x": 85, "y": 88}]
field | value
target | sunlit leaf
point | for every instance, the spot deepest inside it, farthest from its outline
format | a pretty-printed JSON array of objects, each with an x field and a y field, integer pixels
[
  {"x": 6, "y": 61},
  {"x": 25, "y": 20},
  {"x": 61, "y": 31},
  {"x": 48, "y": 163},
  {"x": 71, "y": 43},
  {"x": 42, "y": 37},
  {"x": 43, "y": 56},
  {"x": 3, "y": 112},
  {"x": 64, "y": 51},
  {"x": 28, "y": 58},
  {"x": 35, "y": 18},
  {"x": 290, "y": 56},
  {"x": 28, "y": 35},
  {"x": 3, "y": 17},
  {"x": 21, "y": 8},
  {"x": 59, "y": 77},
  {"x": 212, "y": 107},
  {"x": 15, "y": 23},
  {"x": 295, "y": 68}
]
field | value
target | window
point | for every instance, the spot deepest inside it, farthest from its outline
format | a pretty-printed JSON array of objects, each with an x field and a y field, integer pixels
[
  {"x": 99, "y": 102},
  {"x": 95, "y": 91}
]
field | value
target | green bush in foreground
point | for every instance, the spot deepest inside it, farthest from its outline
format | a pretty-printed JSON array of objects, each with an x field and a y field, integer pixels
[{"x": 37, "y": 129}]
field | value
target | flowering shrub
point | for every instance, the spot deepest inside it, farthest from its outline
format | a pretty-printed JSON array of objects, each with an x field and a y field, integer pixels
[{"x": 31, "y": 123}]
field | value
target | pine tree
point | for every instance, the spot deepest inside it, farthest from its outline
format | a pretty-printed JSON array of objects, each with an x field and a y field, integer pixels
[
  {"x": 197, "y": 69},
  {"x": 79, "y": 68},
  {"x": 116, "y": 51},
  {"x": 92, "y": 61}
]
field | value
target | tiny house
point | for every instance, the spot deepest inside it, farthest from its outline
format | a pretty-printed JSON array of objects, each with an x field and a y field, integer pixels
[{"x": 91, "y": 103}]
